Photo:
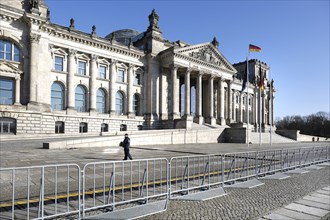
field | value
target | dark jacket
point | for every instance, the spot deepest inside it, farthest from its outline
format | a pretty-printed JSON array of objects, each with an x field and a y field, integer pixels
[{"x": 126, "y": 142}]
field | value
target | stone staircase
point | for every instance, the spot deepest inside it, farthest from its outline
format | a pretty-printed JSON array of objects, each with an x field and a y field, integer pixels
[{"x": 265, "y": 138}]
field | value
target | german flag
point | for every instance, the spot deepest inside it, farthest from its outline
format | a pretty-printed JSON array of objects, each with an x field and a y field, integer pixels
[{"x": 253, "y": 48}]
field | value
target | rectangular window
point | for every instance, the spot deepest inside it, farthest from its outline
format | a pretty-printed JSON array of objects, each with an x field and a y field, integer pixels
[
  {"x": 82, "y": 68},
  {"x": 249, "y": 101},
  {"x": 120, "y": 76},
  {"x": 8, "y": 51},
  {"x": 6, "y": 91},
  {"x": 59, "y": 63},
  {"x": 102, "y": 72},
  {"x": 59, "y": 127},
  {"x": 137, "y": 79}
]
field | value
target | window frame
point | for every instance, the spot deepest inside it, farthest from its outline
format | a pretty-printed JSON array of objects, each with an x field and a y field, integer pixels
[
  {"x": 56, "y": 64},
  {"x": 104, "y": 104},
  {"x": 121, "y": 104},
  {"x": 62, "y": 98},
  {"x": 84, "y": 70},
  {"x": 12, "y": 53},
  {"x": 11, "y": 125},
  {"x": 59, "y": 127},
  {"x": 121, "y": 78},
  {"x": 84, "y": 107},
  {"x": 4, "y": 90},
  {"x": 105, "y": 71}
]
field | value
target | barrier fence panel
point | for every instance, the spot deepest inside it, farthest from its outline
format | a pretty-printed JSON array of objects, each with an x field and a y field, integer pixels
[
  {"x": 240, "y": 165},
  {"x": 188, "y": 173},
  {"x": 290, "y": 158},
  {"x": 321, "y": 154},
  {"x": 123, "y": 184},
  {"x": 269, "y": 162},
  {"x": 306, "y": 156},
  {"x": 39, "y": 192}
]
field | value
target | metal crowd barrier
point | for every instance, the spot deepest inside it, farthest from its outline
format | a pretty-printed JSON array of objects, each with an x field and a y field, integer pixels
[
  {"x": 40, "y": 192},
  {"x": 111, "y": 184},
  {"x": 27, "y": 190},
  {"x": 188, "y": 173}
]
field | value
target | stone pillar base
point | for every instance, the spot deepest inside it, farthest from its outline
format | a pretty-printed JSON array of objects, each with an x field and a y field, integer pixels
[
  {"x": 211, "y": 121},
  {"x": 33, "y": 106},
  {"x": 163, "y": 117},
  {"x": 93, "y": 112},
  {"x": 113, "y": 114},
  {"x": 229, "y": 121},
  {"x": 199, "y": 120},
  {"x": 70, "y": 110},
  {"x": 221, "y": 121},
  {"x": 131, "y": 115},
  {"x": 174, "y": 116}
]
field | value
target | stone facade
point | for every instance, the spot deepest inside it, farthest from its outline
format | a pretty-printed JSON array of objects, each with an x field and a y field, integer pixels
[{"x": 57, "y": 79}]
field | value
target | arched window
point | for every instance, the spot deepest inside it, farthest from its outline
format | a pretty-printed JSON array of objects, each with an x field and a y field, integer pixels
[
  {"x": 7, "y": 126},
  {"x": 9, "y": 51},
  {"x": 136, "y": 104},
  {"x": 57, "y": 96},
  {"x": 100, "y": 101},
  {"x": 7, "y": 89},
  {"x": 119, "y": 103},
  {"x": 80, "y": 99}
]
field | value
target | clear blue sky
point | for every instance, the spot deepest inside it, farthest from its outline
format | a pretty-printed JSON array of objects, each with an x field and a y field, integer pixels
[{"x": 293, "y": 35}]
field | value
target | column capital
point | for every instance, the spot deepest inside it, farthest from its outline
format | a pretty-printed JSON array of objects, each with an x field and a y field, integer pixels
[
  {"x": 35, "y": 38},
  {"x": 113, "y": 62},
  {"x": 94, "y": 57},
  {"x": 174, "y": 67},
  {"x": 72, "y": 52},
  {"x": 17, "y": 77},
  {"x": 131, "y": 66}
]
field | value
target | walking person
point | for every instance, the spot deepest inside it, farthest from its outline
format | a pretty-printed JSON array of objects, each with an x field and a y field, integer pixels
[{"x": 126, "y": 144}]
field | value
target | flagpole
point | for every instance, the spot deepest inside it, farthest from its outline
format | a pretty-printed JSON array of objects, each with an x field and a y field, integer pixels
[
  {"x": 270, "y": 105},
  {"x": 260, "y": 112},
  {"x": 247, "y": 100}
]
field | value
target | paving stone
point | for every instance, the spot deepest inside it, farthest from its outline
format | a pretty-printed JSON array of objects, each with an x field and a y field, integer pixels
[
  {"x": 313, "y": 204},
  {"x": 295, "y": 215},
  {"x": 273, "y": 216},
  {"x": 307, "y": 209}
]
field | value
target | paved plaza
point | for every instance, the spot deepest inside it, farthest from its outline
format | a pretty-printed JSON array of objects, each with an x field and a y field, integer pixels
[{"x": 252, "y": 203}]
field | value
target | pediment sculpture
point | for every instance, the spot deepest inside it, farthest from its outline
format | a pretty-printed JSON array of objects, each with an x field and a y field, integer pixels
[{"x": 206, "y": 55}]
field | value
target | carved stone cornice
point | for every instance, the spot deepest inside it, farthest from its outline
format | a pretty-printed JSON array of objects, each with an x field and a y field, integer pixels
[{"x": 76, "y": 36}]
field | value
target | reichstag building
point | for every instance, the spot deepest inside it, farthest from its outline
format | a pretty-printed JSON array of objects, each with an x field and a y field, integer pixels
[{"x": 56, "y": 79}]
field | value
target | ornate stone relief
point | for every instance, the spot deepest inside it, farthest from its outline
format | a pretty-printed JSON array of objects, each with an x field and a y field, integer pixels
[{"x": 205, "y": 54}]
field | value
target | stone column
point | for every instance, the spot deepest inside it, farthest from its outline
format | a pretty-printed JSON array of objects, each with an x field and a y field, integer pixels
[
  {"x": 163, "y": 96},
  {"x": 200, "y": 118},
  {"x": 255, "y": 107},
  {"x": 130, "y": 79},
  {"x": 34, "y": 60},
  {"x": 230, "y": 95},
  {"x": 17, "y": 89},
  {"x": 70, "y": 79},
  {"x": 175, "y": 93},
  {"x": 113, "y": 72},
  {"x": 211, "y": 118},
  {"x": 187, "y": 93},
  {"x": 221, "y": 103},
  {"x": 92, "y": 86},
  {"x": 263, "y": 109},
  {"x": 240, "y": 119}
]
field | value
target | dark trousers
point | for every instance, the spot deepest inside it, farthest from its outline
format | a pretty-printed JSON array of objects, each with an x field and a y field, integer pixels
[{"x": 127, "y": 154}]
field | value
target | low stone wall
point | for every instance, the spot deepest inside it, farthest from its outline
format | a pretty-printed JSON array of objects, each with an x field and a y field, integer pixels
[
  {"x": 292, "y": 134},
  {"x": 151, "y": 137},
  {"x": 235, "y": 135}
]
